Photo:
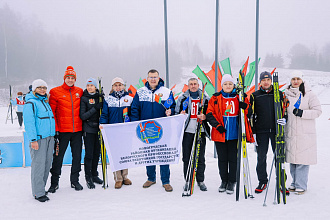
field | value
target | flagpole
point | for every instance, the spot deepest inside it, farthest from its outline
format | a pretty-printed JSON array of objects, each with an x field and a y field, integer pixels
[
  {"x": 166, "y": 45},
  {"x": 256, "y": 50},
  {"x": 216, "y": 55}
]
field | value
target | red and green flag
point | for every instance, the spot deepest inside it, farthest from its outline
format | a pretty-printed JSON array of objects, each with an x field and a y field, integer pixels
[
  {"x": 228, "y": 109},
  {"x": 158, "y": 99}
]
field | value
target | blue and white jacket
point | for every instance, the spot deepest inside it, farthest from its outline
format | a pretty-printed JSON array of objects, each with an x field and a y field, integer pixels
[
  {"x": 144, "y": 105},
  {"x": 113, "y": 107},
  {"x": 19, "y": 102},
  {"x": 38, "y": 117}
]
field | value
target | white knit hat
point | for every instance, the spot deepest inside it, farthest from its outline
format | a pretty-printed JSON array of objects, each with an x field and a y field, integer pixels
[
  {"x": 227, "y": 78},
  {"x": 117, "y": 79},
  {"x": 38, "y": 83},
  {"x": 296, "y": 74}
]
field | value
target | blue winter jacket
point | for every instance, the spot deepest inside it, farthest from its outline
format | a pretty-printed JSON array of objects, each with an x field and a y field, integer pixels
[
  {"x": 113, "y": 107},
  {"x": 38, "y": 117},
  {"x": 19, "y": 106},
  {"x": 144, "y": 105}
]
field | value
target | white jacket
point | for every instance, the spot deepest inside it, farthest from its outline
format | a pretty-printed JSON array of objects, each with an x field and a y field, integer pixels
[{"x": 300, "y": 132}]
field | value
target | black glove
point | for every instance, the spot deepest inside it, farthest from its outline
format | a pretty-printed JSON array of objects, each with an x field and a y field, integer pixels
[
  {"x": 243, "y": 105},
  {"x": 221, "y": 129},
  {"x": 99, "y": 105},
  {"x": 297, "y": 112}
]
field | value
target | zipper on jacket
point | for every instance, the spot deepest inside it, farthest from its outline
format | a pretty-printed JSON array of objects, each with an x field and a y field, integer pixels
[{"x": 72, "y": 109}]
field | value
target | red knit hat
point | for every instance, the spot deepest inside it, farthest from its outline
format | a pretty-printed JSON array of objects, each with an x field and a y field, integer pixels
[{"x": 70, "y": 72}]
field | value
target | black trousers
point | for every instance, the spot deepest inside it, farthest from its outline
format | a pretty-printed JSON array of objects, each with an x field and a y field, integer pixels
[
  {"x": 227, "y": 160},
  {"x": 92, "y": 154},
  {"x": 262, "y": 149},
  {"x": 187, "y": 144},
  {"x": 75, "y": 140},
  {"x": 20, "y": 118}
]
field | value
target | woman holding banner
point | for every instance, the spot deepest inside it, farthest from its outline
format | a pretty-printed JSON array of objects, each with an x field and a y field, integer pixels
[
  {"x": 223, "y": 115},
  {"x": 90, "y": 106},
  {"x": 117, "y": 109},
  {"x": 39, "y": 125},
  {"x": 300, "y": 131}
]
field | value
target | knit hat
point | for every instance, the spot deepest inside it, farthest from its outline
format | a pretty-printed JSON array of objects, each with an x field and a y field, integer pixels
[
  {"x": 117, "y": 79},
  {"x": 265, "y": 75},
  {"x": 38, "y": 83},
  {"x": 227, "y": 78},
  {"x": 296, "y": 74},
  {"x": 92, "y": 81},
  {"x": 70, "y": 72}
]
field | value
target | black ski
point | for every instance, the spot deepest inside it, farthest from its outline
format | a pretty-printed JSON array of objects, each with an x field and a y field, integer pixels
[{"x": 280, "y": 142}]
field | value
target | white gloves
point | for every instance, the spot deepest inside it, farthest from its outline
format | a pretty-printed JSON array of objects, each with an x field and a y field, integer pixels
[{"x": 281, "y": 121}]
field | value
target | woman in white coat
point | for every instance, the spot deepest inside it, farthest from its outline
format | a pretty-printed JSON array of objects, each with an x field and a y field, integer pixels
[{"x": 300, "y": 131}]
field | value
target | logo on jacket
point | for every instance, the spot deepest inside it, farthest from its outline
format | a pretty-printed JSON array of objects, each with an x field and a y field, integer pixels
[
  {"x": 125, "y": 100},
  {"x": 149, "y": 132},
  {"x": 77, "y": 95},
  {"x": 160, "y": 94},
  {"x": 92, "y": 101}
]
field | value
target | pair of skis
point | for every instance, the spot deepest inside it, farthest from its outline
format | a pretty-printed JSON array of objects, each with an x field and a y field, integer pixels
[
  {"x": 241, "y": 147},
  {"x": 194, "y": 155},
  {"x": 103, "y": 150},
  {"x": 280, "y": 144}
]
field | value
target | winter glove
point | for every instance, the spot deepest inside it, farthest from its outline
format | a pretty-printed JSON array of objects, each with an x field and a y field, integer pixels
[
  {"x": 243, "y": 105},
  {"x": 221, "y": 129},
  {"x": 297, "y": 112},
  {"x": 281, "y": 121},
  {"x": 99, "y": 105}
]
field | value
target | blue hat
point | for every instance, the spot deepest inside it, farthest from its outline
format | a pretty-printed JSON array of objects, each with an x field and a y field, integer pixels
[{"x": 92, "y": 81}]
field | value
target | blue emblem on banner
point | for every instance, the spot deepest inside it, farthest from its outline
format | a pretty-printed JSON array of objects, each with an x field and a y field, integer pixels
[{"x": 149, "y": 132}]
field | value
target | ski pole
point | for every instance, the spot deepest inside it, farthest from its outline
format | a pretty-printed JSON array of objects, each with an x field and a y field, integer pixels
[{"x": 270, "y": 175}]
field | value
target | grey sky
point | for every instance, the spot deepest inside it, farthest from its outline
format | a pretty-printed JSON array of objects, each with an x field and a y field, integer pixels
[{"x": 130, "y": 23}]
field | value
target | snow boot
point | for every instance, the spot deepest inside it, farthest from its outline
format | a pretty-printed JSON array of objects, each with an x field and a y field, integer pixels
[
  {"x": 223, "y": 187},
  {"x": 148, "y": 183},
  {"x": 97, "y": 180},
  {"x": 43, "y": 198},
  {"x": 202, "y": 186},
  {"x": 299, "y": 191},
  {"x": 260, "y": 188},
  {"x": 230, "y": 188},
  {"x": 118, "y": 184},
  {"x": 53, "y": 188},
  {"x": 127, "y": 182},
  {"x": 76, "y": 186},
  {"x": 89, "y": 182}
]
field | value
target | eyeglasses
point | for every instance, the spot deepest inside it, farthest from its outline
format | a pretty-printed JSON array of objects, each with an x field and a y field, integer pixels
[
  {"x": 153, "y": 77},
  {"x": 42, "y": 87}
]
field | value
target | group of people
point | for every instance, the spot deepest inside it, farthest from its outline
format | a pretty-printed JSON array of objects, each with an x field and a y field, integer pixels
[{"x": 69, "y": 114}]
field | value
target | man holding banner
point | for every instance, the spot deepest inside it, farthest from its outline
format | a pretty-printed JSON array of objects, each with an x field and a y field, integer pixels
[
  {"x": 189, "y": 103},
  {"x": 148, "y": 104}
]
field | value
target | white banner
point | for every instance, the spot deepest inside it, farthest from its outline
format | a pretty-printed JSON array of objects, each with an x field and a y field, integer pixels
[{"x": 155, "y": 141}]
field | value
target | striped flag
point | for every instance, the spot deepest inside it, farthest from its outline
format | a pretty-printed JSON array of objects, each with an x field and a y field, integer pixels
[
  {"x": 228, "y": 109},
  {"x": 158, "y": 99},
  {"x": 125, "y": 115}
]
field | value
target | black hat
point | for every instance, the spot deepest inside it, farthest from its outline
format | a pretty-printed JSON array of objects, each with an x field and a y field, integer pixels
[{"x": 265, "y": 75}]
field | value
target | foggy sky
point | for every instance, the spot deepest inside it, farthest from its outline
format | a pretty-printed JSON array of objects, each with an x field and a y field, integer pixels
[{"x": 132, "y": 23}]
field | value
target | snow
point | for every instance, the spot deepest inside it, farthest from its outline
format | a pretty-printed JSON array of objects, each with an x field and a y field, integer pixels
[{"x": 135, "y": 202}]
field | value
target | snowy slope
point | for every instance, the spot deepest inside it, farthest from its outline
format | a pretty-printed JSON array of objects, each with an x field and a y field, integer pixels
[{"x": 134, "y": 202}]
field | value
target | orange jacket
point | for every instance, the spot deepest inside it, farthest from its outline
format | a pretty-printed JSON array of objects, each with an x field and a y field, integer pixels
[
  {"x": 65, "y": 103},
  {"x": 216, "y": 110}
]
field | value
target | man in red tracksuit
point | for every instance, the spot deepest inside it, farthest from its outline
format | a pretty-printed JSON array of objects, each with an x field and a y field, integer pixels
[{"x": 65, "y": 103}]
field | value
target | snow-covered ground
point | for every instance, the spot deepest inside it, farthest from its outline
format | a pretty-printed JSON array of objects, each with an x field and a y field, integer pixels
[{"x": 135, "y": 202}]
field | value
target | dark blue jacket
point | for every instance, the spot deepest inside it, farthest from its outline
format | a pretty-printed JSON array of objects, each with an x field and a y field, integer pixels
[
  {"x": 144, "y": 105},
  {"x": 113, "y": 107}
]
